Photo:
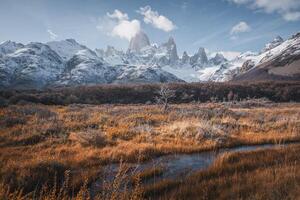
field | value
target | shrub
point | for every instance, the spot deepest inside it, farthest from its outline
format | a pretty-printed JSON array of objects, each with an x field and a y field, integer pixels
[
  {"x": 3, "y": 102},
  {"x": 284, "y": 91},
  {"x": 89, "y": 138},
  {"x": 10, "y": 121}
]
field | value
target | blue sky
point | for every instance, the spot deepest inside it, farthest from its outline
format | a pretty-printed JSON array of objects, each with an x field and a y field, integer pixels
[{"x": 217, "y": 25}]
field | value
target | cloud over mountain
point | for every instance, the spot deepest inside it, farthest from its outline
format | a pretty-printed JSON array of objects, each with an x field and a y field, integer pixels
[
  {"x": 118, "y": 24},
  {"x": 156, "y": 20}
]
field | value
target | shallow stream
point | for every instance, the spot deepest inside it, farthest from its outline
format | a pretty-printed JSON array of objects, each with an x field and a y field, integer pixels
[{"x": 175, "y": 166}]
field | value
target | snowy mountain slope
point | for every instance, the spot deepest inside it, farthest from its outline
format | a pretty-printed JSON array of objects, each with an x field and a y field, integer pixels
[
  {"x": 9, "y": 47},
  {"x": 227, "y": 69},
  {"x": 277, "y": 60},
  {"x": 145, "y": 74},
  {"x": 112, "y": 66},
  {"x": 198, "y": 67},
  {"x": 86, "y": 68},
  {"x": 276, "y": 42},
  {"x": 33, "y": 65},
  {"x": 190, "y": 74},
  {"x": 111, "y": 55},
  {"x": 280, "y": 62},
  {"x": 67, "y": 62},
  {"x": 66, "y": 48}
]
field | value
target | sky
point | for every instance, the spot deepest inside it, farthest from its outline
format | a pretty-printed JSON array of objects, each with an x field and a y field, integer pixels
[{"x": 217, "y": 25}]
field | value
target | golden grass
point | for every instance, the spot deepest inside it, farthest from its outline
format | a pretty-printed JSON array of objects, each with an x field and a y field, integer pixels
[
  {"x": 37, "y": 142},
  {"x": 262, "y": 174}
]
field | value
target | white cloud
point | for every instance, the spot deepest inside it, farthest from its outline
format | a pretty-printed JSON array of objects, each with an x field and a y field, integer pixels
[
  {"x": 118, "y": 24},
  {"x": 292, "y": 16},
  {"x": 241, "y": 27},
  {"x": 158, "y": 21},
  {"x": 126, "y": 29},
  {"x": 118, "y": 15},
  {"x": 288, "y": 9},
  {"x": 52, "y": 35},
  {"x": 281, "y": 6}
]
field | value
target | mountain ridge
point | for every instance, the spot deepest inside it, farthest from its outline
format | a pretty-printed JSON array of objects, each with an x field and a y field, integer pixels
[{"x": 66, "y": 62}]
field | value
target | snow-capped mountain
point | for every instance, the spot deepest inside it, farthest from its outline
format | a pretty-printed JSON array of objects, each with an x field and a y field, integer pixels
[
  {"x": 280, "y": 62},
  {"x": 218, "y": 59},
  {"x": 276, "y": 42},
  {"x": 66, "y": 48},
  {"x": 9, "y": 47},
  {"x": 185, "y": 59},
  {"x": 67, "y": 62},
  {"x": 31, "y": 65},
  {"x": 199, "y": 60},
  {"x": 138, "y": 42}
]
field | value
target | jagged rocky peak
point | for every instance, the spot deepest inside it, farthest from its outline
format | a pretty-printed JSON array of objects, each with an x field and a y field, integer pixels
[
  {"x": 172, "y": 49},
  {"x": 276, "y": 42},
  {"x": 219, "y": 56},
  {"x": 200, "y": 58},
  {"x": 139, "y": 41},
  {"x": 201, "y": 51},
  {"x": 185, "y": 58},
  {"x": 171, "y": 41},
  {"x": 278, "y": 39},
  {"x": 297, "y": 35},
  {"x": 218, "y": 59},
  {"x": 185, "y": 55}
]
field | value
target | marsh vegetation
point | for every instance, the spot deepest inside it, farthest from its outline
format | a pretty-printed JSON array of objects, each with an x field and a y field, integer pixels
[{"x": 61, "y": 151}]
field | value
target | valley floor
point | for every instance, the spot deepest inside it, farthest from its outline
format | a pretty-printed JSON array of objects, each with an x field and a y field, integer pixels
[{"x": 42, "y": 145}]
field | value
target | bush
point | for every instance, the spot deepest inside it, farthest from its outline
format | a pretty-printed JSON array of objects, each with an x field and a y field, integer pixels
[
  {"x": 135, "y": 94},
  {"x": 9, "y": 121},
  {"x": 89, "y": 138},
  {"x": 3, "y": 102}
]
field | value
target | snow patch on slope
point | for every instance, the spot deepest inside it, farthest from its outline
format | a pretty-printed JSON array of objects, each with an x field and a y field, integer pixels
[{"x": 66, "y": 48}]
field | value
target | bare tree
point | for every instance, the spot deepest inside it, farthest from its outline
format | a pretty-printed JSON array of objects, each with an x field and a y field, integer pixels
[
  {"x": 236, "y": 97},
  {"x": 230, "y": 96},
  {"x": 164, "y": 95}
]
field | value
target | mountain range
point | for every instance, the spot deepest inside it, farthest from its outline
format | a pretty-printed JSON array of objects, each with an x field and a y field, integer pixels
[{"x": 68, "y": 63}]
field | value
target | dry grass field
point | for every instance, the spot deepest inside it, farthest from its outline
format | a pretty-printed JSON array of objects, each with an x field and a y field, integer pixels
[
  {"x": 44, "y": 147},
  {"x": 260, "y": 175}
]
